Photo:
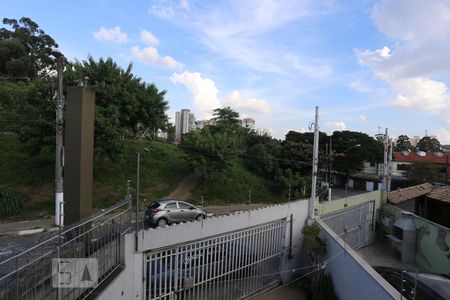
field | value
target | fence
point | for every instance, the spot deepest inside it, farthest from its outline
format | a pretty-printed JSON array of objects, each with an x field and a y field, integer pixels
[
  {"x": 229, "y": 266},
  {"x": 28, "y": 275},
  {"x": 353, "y": 224}
]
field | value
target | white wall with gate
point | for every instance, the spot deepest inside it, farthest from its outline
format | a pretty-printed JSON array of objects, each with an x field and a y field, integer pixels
[
  {"x": 131, "y": 282},
  {"x": 353, "y": 224}
]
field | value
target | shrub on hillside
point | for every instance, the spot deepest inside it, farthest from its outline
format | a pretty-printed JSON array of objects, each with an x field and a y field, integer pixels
[{"x": 11, "y": 202}]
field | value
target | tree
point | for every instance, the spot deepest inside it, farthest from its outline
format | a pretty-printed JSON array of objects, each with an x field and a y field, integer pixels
[
  {"x": 347, "y": 157},
  {"x": 26, "y": 89},
  {"x": 403, "y": 144},
  {"x": 25, "y": 50},
  {"x": 125, "y": 104},
  {"x": 421, "y": 172},
  {"x": 429, "y": 144},
  {"x": 226, "y": 116}
]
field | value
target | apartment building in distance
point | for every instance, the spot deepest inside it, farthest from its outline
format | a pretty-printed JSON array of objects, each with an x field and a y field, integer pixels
[{"x": 184, "y": 122}]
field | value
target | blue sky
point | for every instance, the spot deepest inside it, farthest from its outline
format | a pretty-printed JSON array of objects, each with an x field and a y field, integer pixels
[{"x": 366, "y": 64}]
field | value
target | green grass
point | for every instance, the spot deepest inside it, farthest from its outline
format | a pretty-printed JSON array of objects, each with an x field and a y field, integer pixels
[
  {"x": 161, "y": 170},
  {"x": 232, "y": 186}
]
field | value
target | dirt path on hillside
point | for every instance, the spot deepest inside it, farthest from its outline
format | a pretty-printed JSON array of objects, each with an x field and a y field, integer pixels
[{"x": 184, "y": 187}]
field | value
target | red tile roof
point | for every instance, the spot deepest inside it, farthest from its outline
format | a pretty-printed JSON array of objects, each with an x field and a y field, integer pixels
[{"x": 429, "y": 157}]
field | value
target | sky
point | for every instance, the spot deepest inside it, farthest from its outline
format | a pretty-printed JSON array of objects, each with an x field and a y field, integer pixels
[{"x": 368, "y": 65}]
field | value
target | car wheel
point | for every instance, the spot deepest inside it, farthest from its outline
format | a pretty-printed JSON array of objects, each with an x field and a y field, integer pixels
[
  {"x": 199, "y": 217},
  {"x": 162, "y": 222}
]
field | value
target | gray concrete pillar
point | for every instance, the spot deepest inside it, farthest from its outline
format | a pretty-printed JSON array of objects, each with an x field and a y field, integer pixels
[{"x": 79, "y": 152}]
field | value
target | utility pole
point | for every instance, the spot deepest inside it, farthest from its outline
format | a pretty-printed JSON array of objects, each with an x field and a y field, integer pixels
[
  {"x": 391, "y": 145},
  {"x": 385, "y": 162},
  {"x": 331, "y": 168},
  {"x": 59, "y": 153},
  {"x": 312, "y": 200}
]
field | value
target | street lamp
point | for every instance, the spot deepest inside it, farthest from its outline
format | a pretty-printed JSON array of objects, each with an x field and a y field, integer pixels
[
  {"x": 59, "y": 192},
  {"x": 138, "y": 175}
]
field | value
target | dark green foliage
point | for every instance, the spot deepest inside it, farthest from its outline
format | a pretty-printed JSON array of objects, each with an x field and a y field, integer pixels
[
  {"x": 213, "y": 147},
  {"x": 316, "y": 247},
  {"x": 25, "y": 50},
  {"x": 322, "y": 286},
  {"x": 403, "y": 144},
  {"x": 421, "y": 172},
  {"x": 349, "y": 159},
  {"x": 429, "y": 144},
  {"x": 226, "y": 117},
  {"x": 231, "y": 185},
  {"x": 11, "y": 202},
  {"x": 125, "y": 105}
]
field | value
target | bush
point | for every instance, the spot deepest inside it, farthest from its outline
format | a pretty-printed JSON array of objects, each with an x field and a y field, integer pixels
[
  {"x": 11, "y": 202},
  {"x": 322, "y": 286}
]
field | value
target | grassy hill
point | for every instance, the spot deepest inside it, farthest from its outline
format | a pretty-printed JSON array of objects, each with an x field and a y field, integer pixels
[
  {"x": 232, "y": 186},
  {"x": 161, "y": 170}
]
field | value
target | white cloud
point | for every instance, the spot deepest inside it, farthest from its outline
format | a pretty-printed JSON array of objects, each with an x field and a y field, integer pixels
[
  {"x": 150, "y": 55},
  {"x": 111, "y": 34},
  {"x": 416, "y": 66},
  {"x": 205, "y": 96},
  {"x": 443, "y": 136},
  {"x": 204, "y": 92},
  {"x": 168, "y": 9},
  {"x": 246, "y": 104},
  {"x": 421, "y": 93},
  {"x": 336, "y": 126},
  {"x": 362, "y": 118},
  {"x": 243, "y": 31},
  {"x": 148, "y": 38}
]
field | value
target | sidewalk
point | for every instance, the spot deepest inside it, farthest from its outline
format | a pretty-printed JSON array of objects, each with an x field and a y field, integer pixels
[{"x": 27, "y": 227}]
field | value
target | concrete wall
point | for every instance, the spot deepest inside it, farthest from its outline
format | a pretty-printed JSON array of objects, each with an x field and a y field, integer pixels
[
  {"x": 433, "y": 241},
  {"x": 129, "y": 284},
  {"x": 353, "y": 278},
  {"x": 433, "y": 246},
  {"x": 335, "y": 205}
]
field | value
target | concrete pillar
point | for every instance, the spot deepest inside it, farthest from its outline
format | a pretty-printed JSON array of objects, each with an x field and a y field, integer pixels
[{"x": 79, "y": 152}]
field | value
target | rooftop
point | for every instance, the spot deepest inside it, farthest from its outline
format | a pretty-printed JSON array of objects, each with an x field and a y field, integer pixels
[
  {"x": 437, "y": 158},
  {"x": 408, "y": 193}
]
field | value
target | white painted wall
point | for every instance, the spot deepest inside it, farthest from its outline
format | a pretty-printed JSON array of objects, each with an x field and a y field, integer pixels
[
  {"x": 129, "y": 284},
  {"x": 353, "y": 277}
]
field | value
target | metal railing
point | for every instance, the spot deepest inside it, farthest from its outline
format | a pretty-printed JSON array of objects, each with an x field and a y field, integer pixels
[
  {"x": 233, "y": 265},
  {"x": 28, "y": 275}
]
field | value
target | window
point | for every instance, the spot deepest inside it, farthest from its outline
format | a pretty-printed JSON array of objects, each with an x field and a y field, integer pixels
[
  {"x": 171, "y": 205},
  {"x": 372, "y": 164},
  {"x": 403, "y": 167},
  {"x": 183, "y": 205}
]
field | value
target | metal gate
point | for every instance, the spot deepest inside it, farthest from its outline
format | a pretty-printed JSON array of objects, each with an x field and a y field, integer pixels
[
  {"x": 353, "y": 224},
  {"x": 229, "y": 266}
]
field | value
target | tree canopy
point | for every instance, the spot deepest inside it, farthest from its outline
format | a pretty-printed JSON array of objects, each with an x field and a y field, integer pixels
[
  {"x": 421, "y": 172},
  {"x": 403, "y": 144},
  {"x": 429, "y": 144},
  {"x": 25, "y": 50},
  {"x": 125, "y": 104}
]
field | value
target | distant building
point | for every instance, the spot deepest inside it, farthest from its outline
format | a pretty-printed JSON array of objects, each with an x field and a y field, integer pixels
[
  {"x": 263, "y": 131},
  {"x": 247, "y": 123},
  {"x": 202, "y": 123},
  {"x": 184, "y": 122}
]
